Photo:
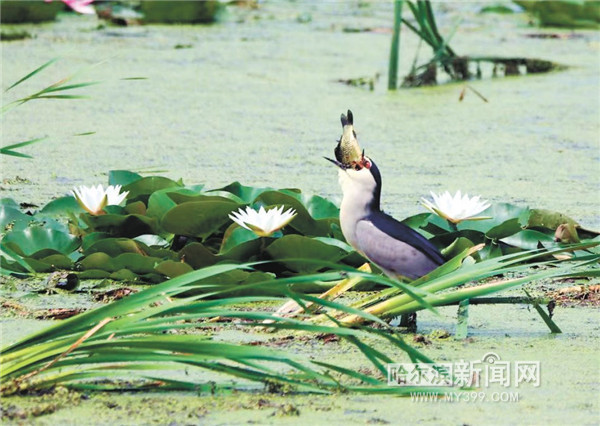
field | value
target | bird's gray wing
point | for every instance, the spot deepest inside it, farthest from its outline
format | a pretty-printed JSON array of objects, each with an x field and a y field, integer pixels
[{"x": 394, "y": 256}]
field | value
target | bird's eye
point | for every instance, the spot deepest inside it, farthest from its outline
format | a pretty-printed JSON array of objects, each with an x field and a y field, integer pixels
[{"x": 367, "y": 164}]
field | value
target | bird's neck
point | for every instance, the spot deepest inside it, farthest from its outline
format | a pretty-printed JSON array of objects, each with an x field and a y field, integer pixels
[{"x": 356, "y": 205}]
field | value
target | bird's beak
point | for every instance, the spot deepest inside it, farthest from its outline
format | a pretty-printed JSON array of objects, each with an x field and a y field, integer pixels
[{"x": 338, "y": 163}]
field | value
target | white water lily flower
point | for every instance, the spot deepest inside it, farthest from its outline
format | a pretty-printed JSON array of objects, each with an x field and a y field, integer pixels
[
  {"x": 456, "y": 208},
  {"x": 94, "y": 198},
  {"x": 262, "y": 222}
]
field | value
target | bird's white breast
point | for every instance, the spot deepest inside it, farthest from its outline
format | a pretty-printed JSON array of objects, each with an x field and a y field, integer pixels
[{"x": 355, "y": 206}]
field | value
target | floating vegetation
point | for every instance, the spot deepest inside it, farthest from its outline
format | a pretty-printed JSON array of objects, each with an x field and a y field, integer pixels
[
  {"x": 365, "y": 82},
  {"x": 457, "y": 67},
  {"x": 165, "y": 229},
  {"x": 18, "y": 11},
  {"x": 565, "y": 14},
  {"x": 12, "y": 35}
]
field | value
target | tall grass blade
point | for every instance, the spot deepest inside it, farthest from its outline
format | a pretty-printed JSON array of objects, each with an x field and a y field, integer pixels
[
  {"x": 395, "y": 47},
  {"x": 32, "y": 73}
]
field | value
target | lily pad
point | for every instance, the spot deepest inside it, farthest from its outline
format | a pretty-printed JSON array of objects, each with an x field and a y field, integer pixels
[
  {"x": 317, "y": 206},
  {"x": 500, "y": 214},
  {"x": 136, "y": 263},
  {"x": 457, "y": 247},
  {"x": 246, "y": 193},
  {"x": 35, "y": 238},
  {"x": 130, "y": 225},
  {"x": 92, "y": 238},
  {"x": 197, "y": 256},
  {"x": 60, "y": 207},
  {"x": 505, "y": 229},
  {"x": 137, "y": 207},
  {"x": 235, "y": 235},
  {"x": 14, "y": 218},
  {"x": 58, "y": 261},
  {"x": 115, "y": 246},
  {"x": 180, "y": 198},
  {"x": 199, "y": 218},
  {"x": 98, "y": 261},
  {"x": 161, "y": 202},
  {"x": 152, "y": 240},
  {"x": 142, "y": 188},
  {"x": 529, "y": 239},
  {"x": 299, "y": 247},
  {"x": 171, "y": 269},
  {"x": 122, "y": 177}
]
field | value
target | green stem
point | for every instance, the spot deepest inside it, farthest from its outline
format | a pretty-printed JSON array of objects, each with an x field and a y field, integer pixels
[{"x": 395, "y": 49}]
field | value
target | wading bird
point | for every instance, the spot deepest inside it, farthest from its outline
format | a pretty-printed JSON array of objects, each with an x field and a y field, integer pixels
[{"x": 394, "y": 247}]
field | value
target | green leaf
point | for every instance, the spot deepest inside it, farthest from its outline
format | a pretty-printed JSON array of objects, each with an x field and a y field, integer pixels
[
  {"x": 317, "y": 206},
  {"x": 137, "y": 207},
  {"x": 136, "y": 262},
  {"x": 98, "y": 261},
  {"x": 122, "y": 177},
  {"x": 32, "y": 73},
  {"x": 131, "y": 225},
  {"x": 246, "y": 193},
  {"x": 458, "y": 246},
  {"x": 58, "y": 261},
  {"x": 8, "y": 149},
  {"x": 300, "y": 247},
  {"x": 152, "y": 240},
  {"x": 529, "y": 239},
  {"x": 335, "y": 242},
  {"x": 500, "y": 213},
  {"x": 61, "y": 206},
  {"x": 235, "y": 235},
  {"x": 180, "y": 197},
  {"x": 505, "y": 229},
  {"x": 199, "y": 218},
  {"x": 115, "y": 246},
  {"x": 197, "y": 256},
  {"x": 124, "y": 275},
  {"x": 142, "y": 188},
  {"x": 171, "y": 269},
  {"x": 14, "y": 217},
  {"x": 248, "y": 251},
  {"x": 34, "y": 239},
  {"x": 417, "y": 221}
]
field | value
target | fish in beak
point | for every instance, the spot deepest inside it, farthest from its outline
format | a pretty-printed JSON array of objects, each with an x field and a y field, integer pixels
[{"x": 347, "y": 150}]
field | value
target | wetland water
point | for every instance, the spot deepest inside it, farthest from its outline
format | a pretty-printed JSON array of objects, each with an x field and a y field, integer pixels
[{"x": 257, "y": 101}]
